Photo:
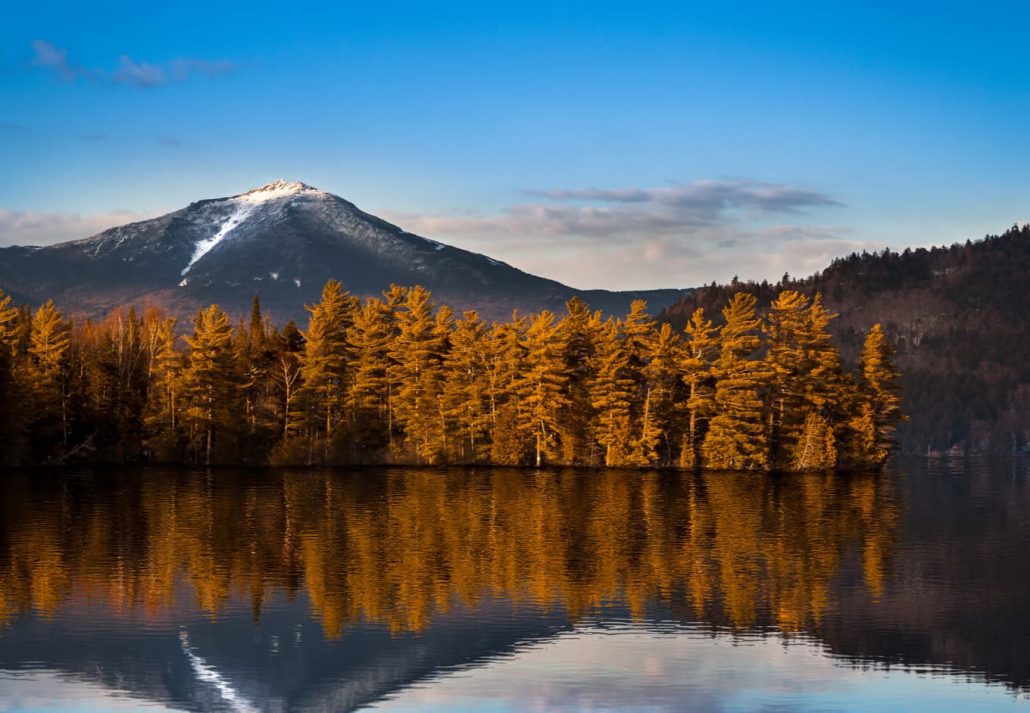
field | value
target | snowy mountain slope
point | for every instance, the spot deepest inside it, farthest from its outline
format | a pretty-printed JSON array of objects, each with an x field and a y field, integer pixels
[{"x": 283, "y": 241}]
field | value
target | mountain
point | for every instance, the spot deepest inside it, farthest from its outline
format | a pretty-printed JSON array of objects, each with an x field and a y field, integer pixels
[
  {"x": 959, "y": 317},
  {"x": 283, "y": 241}
]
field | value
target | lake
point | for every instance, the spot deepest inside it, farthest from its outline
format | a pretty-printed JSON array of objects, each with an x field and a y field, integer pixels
[{"x": 472, "y": 589}]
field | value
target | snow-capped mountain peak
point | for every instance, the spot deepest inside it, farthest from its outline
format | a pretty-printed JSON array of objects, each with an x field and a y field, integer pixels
[
  {"x": 279, "y": 188},
  {"x": 284, "y": 240},
  {"x": 243, "y": 206}
]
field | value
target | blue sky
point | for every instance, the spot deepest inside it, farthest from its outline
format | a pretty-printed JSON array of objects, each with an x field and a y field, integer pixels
[{"x": 622, "y": 145}]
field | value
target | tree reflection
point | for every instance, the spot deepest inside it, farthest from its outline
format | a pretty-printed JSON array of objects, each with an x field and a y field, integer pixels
[{"x": 401, "y": 546}]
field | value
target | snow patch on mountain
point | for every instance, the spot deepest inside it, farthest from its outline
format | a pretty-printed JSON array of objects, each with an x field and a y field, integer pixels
[
  {"x": 203, "y": 247},
  {"x": 277, "y": 189}
]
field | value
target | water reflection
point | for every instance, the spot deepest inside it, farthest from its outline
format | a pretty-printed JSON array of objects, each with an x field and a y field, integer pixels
[
  {"x": 295, "y": 589},
  {"x": 402, "y": 546}
]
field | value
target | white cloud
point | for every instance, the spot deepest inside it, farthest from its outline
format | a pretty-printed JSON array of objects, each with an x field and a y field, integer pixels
[{"x": 35, "y": 228}]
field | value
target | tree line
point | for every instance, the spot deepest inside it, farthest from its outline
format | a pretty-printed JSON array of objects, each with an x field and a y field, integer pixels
[{"x": 397, "y": 379}]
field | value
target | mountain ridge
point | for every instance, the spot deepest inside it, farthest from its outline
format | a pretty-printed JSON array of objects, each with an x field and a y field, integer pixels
[
  {"x": 282, "y": 240},
  {"x": 959, "y": 317}
]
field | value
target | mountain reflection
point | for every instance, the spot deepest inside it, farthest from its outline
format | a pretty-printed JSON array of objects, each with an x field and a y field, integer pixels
[{"x": 402, "y": 547}]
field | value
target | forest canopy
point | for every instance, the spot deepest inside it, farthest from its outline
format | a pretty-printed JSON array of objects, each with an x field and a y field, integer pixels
[{"x": 397, "y": 379}]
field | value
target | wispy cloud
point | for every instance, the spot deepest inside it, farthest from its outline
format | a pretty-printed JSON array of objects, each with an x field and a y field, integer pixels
[
  {"x": 169, "y": 141},
  {"x": 130, "y": 72},
  {"x": 92, "y": 138},
  {"x": 38, "y": 228},
  {"x": 49, "y": 56},
  {"x": 13, "y": 127},
  {"x": 635, "y": 237}
]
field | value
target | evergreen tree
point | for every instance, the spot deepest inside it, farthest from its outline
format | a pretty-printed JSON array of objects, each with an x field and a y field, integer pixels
[
  {"x": 416, "y": 354},
  {"x": 45, "y": 375},
  {"x": 161, "y": 416},
  {"x": 541, "y": 387},
  {"x": 611, "y": 393},
  {"x": 368, "y": 403},
  {"x": 210, "y": 383},
  {"x": 647, "y": 399},
  {"x": 659, "y": 430},
  {"x": 699, "y": 355},
  {"x": 505, "y": 355},
  {"x": 577, "y": 333},
  {"x": 10, "y": 417},
  {"x": 323, "y": 368},
  {"x": 466, "y": 388},
  {"x": 879, "y": 410},
  {"x": 807, "y": 383},
  {"x": 736, "y": 437}
]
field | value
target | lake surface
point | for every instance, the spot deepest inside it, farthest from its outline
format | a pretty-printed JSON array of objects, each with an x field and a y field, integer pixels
[{"x": 508, "y": 590}]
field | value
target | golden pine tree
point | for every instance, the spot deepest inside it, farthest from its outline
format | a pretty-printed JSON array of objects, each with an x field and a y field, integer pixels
[
  {"x": 639, "y": 335},
  {"x": 577, "y": 332},
  {"x": 10, "y": 417},
  {"x": 879, "y": 403},
  {"x": 368, "y": 402},
  {"x": 505, "y": 355},
  {"x": 45, "y": 377},
  {"x": 161, "y": 415},
  {"x": 663, "y": 391},
  {"x": 541, "y": 388},
  {"x": 210, "y": 386},
  {"x": 697, "y": 363},
  {"x": 416, "y": 355},
  {"x": 736, "y": 438},
  {"x": 323, "y": 368},
  {"x": 611, "y": 394},
  {"x": 466, "y": 388}
]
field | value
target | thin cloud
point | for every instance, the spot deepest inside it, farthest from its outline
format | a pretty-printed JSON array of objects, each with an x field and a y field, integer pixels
[
  {"x": 38, "y": 228},
  {"x": 634, "y": 238},
  {"x": 138, "y": 74},
  {"x": 13, "y": 127},
  {"x": 92, "y": 138},
  {"x": 169, "y": 141},
  {"x": 50, "y": 56},
  {"x": 130, "y": 72}
]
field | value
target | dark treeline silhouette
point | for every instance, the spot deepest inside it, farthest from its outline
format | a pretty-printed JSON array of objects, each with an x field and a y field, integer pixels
[
  {"x": 398, "y": 380},
  {"x": 959, "y": 319}
]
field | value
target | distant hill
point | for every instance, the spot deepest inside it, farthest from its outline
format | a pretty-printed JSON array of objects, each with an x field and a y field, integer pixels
[
  {"x": 960, "y": 319},
  {"x": 283, "y": 241}
]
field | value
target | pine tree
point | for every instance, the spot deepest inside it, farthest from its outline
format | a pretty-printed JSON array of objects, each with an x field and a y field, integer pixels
[
  {"x": 466, "y": 388},
  {"x": 505, "y": 355},
  {"x": 577, "y": 333},
  {"x": 807, "y": 381},
  {"x": 416, "y": 354},
  {"x": 323, "y": 368},
  {"x": 367, "y": 398},
  {"x": 209, "y": 382},
  {"x": 736, "y": 438},
  {"x": 697, "y": 363},
  {"x": 541, "y": 387},
  {"x": 611, "y": 394},
  {"x": 659, "y": 430},
  {"x": 161, "y": 416},
  {"x": 46, "y": 378},
  {"x": 639, "y": 336},
  {"x": 9, "y": 415},
  {"x": 879, "y": 404}
]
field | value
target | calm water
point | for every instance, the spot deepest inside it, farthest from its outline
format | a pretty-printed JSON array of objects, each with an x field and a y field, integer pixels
[{"x": 498, "y": 590}]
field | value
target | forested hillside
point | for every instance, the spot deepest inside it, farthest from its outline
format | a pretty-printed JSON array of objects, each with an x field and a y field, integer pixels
[
  {"x": 959, "y": 318},
  {"x": 397, "y": 379}
]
